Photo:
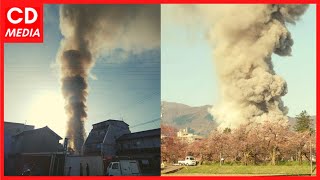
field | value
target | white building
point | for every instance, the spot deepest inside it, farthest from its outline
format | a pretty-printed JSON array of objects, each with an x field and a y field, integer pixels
[
  {"x": 187, "y": 136},
  {"x": 102, "y": 138}
]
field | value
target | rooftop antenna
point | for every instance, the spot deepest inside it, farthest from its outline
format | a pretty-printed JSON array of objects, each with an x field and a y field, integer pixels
[{"x": 25, "y": 124}]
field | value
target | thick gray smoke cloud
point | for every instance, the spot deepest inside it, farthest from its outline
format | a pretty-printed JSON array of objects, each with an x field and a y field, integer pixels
[
  {"x": 90, "y": 31},
  {"x": 243, "y": 38}
]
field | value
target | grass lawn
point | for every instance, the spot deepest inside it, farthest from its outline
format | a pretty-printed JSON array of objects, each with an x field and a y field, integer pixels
[{"x": 245, "y": 170}]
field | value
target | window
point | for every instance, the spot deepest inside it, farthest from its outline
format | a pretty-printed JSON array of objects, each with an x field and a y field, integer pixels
[
  {"x": 145, "y": 162},
  {"x": 115, "y": 166}
]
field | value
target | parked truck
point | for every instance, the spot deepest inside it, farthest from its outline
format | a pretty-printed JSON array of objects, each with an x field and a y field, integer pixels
[
  {"x": 188, "y": 161},
  {"x": 123, "y": 168}
]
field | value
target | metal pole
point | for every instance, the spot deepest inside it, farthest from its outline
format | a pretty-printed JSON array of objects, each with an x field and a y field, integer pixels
[
  {"x": 310, "y": 153},
  {"x": 51, "y": 164}
]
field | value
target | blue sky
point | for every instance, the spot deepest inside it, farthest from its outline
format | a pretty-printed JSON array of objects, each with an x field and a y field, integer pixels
[
  {"x": 128, "y": 90},
  {"x": 188, "y": 75},
  {"x": 131, "y": 89}
]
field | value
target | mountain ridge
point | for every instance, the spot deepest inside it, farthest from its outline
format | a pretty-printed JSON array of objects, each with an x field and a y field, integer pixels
[{"x": 196, "y": 118}]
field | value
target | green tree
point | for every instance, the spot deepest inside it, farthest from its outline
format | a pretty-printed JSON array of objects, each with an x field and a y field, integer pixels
[{"x": 304, "y": 122}]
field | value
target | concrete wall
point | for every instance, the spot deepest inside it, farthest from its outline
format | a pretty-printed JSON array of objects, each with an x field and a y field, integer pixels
[{"x": 72, "y": 165}]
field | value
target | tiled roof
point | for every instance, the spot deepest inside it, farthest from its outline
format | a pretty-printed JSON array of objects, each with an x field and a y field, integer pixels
[
  {"x": 109, "y": 121},
  {"x": 14, "y": 123},
  {"x": 40, "y": 129},
  {"x": 141, "y": 134}
]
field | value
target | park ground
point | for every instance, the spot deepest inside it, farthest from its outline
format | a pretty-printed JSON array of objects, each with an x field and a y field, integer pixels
[{"x": 241, "y": 170}]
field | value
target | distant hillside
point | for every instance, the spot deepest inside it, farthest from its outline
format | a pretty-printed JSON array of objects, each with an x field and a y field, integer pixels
[{"x": 197, "y": 119}]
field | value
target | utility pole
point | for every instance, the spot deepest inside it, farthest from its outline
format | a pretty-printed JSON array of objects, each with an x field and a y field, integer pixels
[{"x": 310, "y": 146}]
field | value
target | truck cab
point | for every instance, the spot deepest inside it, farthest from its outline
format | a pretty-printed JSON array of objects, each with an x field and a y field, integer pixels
[
  {"x": 123, "y": 168},
  {"x": 188, "y": 161}
]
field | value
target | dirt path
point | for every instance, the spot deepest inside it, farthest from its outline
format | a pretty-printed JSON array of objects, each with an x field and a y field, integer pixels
[{"x": 171, "y": 169}]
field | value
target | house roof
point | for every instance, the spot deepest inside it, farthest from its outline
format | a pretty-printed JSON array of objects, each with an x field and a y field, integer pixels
[
  {"x": 95, "y": 138},
  {"x": 141, "y": 134},
  {"x": 19, "y": 124},
  {"x": 12, "y": 128},
  {"x": 110, "y": 120},
  {"x": 46, "y": 128}
]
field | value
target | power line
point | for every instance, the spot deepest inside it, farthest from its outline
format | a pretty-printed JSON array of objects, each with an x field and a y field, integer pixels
[
  {"x": 137, "y": 125},
  {"x": 139, "y": 101}
]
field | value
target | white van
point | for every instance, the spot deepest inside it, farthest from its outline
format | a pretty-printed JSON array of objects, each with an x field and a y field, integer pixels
[{"x": 124, "y": 168}]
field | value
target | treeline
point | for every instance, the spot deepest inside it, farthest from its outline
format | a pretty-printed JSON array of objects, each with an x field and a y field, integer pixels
[{"x": 252, "y": 143}]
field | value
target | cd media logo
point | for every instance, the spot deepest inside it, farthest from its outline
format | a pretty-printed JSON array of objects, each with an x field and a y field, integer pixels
[{"x": 23, "y": 23}]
